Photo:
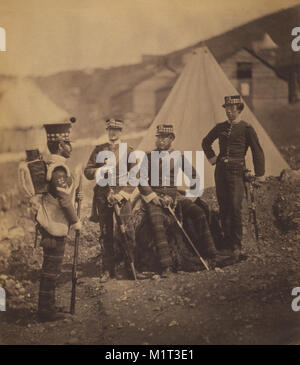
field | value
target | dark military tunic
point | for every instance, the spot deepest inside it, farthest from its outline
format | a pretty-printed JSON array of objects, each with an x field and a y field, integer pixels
[
  {"x": 234, "y": 141},
  {"x": 102, "y": 211},
  {"x": 58, "y": 206}
]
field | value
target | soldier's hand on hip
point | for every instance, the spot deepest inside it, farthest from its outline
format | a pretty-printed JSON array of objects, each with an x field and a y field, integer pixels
[{"x": 213, "y": 160}]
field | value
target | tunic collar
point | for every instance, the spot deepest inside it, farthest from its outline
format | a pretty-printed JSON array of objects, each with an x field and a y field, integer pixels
[
  {"x": 236, "y": 121},
  {"x": 58, "y": 158},
  {"x": 115, "y": 143},
  {"x": 163, "y": 151}
]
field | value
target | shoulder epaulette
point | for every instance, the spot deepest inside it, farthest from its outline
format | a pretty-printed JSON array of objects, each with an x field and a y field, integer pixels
[
  {"x": 102, "y": 145},
  {"x": 246, "y": 124}
]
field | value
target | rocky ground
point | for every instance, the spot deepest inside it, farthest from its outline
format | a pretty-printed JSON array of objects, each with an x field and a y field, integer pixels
[{"x": 245, "y": 303}]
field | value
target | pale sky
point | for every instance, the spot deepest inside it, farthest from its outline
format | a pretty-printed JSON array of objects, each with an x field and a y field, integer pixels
[{"x": 47, "y": 36}]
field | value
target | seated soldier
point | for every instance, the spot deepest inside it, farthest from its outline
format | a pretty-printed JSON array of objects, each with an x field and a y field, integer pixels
[{"x": 158, "y": 194}]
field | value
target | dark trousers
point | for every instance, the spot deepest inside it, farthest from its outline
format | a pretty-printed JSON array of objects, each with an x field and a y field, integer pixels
[
  {"x": 54, "y": 248},
  {"x": 106, "y": 223},
  {"x": 230, "y": 193}
]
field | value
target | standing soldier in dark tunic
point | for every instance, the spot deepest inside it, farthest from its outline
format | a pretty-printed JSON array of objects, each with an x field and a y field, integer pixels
[
  {"x": 165, "y": 192},
  {"x": 105, "y": 196},
  {"x": 55, "y": 216},
  {"x": 235, "y": 136}
]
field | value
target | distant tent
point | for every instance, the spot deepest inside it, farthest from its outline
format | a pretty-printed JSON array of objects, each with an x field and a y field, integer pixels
[
  {"x": 24, "y": 108},
  {"x": 194, "y": 106}
]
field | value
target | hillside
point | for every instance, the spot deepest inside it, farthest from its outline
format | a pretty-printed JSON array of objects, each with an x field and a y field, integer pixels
[{"x": 87, "y": 95}]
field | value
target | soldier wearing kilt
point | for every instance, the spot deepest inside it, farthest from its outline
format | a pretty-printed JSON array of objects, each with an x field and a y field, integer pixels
[
  {"x": 235, "y": 137},
  {"x": 106, "y": 194},
  {"x": 55, "y": 216},
  {"x": 164, "y": 191}
]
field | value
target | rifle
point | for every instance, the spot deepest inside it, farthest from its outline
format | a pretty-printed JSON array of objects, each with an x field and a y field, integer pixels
[
  {"x": 36, "y": 236},
  {"x": 186, "y": 236},
  {"x": 125, "y": 242},
  {"x": 75, "y": 257},
  {"x": 249, "y": 190}
]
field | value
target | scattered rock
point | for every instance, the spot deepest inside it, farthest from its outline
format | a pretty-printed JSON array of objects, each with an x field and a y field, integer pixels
[
  {"x": 217, "y": 269},
  {"x": 155, "y": 277}
]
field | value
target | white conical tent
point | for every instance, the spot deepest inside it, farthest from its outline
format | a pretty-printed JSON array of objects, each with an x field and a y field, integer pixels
[
  {"x": 194, "y": 107},
  {"x": 24, "y": 105},
  {"x": 24, "y": 108}
]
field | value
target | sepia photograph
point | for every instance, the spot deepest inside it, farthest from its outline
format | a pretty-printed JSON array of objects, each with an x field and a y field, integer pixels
[{"x": 149, "y": 174}]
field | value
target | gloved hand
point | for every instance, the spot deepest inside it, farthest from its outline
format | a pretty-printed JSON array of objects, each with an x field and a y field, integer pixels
[
  {"x": 79, "y": 196},
  {"x": 118, "y": 197},
  {"x": 77, "y": 226},
  {"x": 114, "y": 198},
  {"x": 166, "y": 201},
  {"x": 156, "y": 201}
]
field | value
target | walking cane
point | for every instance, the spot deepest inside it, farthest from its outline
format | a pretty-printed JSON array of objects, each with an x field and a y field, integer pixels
[
  {"x": 249, "y": 190},
  {"x": 186, "y": 236}
]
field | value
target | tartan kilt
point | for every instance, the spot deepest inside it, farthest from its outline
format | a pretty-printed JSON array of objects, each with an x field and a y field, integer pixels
[
  {"x": 54, "y": 248},
  {"x": 147, "y": 256}
]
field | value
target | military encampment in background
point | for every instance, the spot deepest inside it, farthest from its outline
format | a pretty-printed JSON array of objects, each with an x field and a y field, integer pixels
[{"x": 239, "y": 303}]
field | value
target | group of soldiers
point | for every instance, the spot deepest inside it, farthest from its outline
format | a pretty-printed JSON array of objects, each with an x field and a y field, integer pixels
[{"x": 57, "y": 213}]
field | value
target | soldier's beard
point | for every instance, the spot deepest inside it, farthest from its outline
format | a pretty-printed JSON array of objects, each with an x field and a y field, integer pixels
[
  {"x": 66, "y": 151},
  {"x": 114, "y": 139},
  {"x": 163, "y": 146}
]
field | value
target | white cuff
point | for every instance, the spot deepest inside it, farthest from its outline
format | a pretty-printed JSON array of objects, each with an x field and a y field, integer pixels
[
  {"x": 148, "y": 198},
  {"x": 125, "y": 195}
]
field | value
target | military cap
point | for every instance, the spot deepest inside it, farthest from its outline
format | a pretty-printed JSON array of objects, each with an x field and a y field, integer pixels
[
  {"x": 114, "y": 123},
  {"x": 164, "y": 129},
  {"x": 58, "y": 132},
  {"x": 232, "y": 100}
]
